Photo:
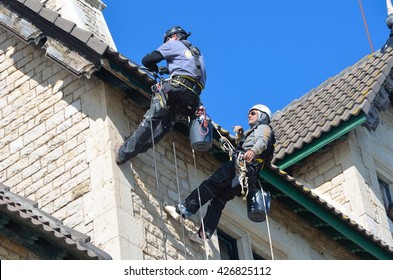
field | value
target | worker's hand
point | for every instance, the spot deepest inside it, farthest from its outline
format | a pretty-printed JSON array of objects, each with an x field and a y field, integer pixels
[
  {"x": 163, "y": 70},
  {"x": 249, "y": 156},
  {"x": 238, "y": 129},
  {"x": 153, "y": 68}
]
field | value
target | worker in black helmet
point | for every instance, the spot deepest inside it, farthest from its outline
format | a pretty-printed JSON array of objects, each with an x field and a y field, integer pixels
[{"x": 186, "y": 67}]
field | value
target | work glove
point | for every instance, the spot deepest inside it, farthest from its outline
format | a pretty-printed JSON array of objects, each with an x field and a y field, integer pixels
[
  {"x": 163, "y": 70},
  {"x": 152, "y": 68}
]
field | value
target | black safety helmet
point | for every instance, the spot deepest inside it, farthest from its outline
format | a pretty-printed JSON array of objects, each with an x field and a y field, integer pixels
[{"x": 176, "y": 30}]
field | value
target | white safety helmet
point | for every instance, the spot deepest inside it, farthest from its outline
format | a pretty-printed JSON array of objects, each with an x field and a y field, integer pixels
[{"x": 262, "y": 108}]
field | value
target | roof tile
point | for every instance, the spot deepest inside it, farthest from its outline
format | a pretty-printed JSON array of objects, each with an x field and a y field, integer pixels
[
  {"x": 81, "y": 34},
  {"x": 347, "y": 94},
  {"x": 26, "y": 212},
  {"x": 34, "y": 5},
  {"x": 97, "y": 45},
  {"x": 342, "y": 216},
  {"x": 49, "y": 14},
  {"x": 65, "y": 24}
]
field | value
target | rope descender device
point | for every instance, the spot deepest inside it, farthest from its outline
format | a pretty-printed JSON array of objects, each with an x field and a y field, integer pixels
[{"x": 241, "y": 170}]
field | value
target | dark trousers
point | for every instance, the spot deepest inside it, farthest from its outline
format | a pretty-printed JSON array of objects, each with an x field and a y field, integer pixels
[
  {"x": 159, "y": 117},
  {"x": 217, "y": 189}
]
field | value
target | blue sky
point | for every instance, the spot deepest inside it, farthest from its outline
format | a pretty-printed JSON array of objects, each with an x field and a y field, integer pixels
[{"x": 256, "y": 51}]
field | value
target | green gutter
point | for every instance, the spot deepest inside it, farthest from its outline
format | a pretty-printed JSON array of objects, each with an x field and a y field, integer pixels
[
  {"x": 319, "y": 143},
  {"x": 324, "y": 214}
]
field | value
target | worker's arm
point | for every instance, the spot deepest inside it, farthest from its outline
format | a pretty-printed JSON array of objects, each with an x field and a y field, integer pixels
[
  {"x": 262, "y": 135},
  {"x": 150, "y": 60},
  {"x": 239, "y": 132}
]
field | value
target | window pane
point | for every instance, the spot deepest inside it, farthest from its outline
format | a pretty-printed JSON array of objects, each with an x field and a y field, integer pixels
[
  {"x": 257, "y": 257},
  {"x": 228, "y": 246},
  {"x": 387, "y": 198},
  {"x": 387, "y": 201}
]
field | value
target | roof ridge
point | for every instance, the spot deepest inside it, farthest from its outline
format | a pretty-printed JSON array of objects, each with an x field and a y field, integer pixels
[{"x": 327, "y": 82}]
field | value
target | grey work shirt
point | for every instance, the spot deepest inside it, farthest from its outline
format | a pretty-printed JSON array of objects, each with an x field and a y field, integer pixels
[
  {"x": 181, "y": 61},
  {"x": 256, "y": 138}
]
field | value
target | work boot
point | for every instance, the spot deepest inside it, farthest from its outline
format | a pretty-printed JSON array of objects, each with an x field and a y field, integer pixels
[
  {"x": 196, "y": 237},
  {"x": 117, "y": 148},
  {"x": 173, "y": 211}
]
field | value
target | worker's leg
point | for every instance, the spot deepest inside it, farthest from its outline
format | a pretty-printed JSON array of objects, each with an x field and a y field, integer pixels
[
  {"x": 211, "y": 187},
  {"x": 140, "y": 140},
  {"x": 217, "y": 205}
]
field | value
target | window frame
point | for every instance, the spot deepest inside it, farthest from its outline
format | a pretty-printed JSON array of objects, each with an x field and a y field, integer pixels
[
  {"x": 384, "y": 188},
  {"x": 224, "y": 237}
]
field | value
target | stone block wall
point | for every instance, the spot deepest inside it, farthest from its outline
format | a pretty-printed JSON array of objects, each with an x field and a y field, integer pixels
[
  {"x": 43, "y": 132},
  {"x": 346, "y": 174},
  {"x": 10, "y": 250}
]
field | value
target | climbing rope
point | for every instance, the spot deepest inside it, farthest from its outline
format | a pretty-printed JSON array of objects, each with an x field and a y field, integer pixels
[
  {"x": 267, "y": 221},
  {"x": 158, "y": 185},
  {"x": 241, "y": 170},
  {"x": 241, "y": 165},
  {"x": 225, "y": 143},
  {"x": 200, "y": 203},
  {"x": 156, "y": 88},
  {"x": 365, "y": 25},
  {"x": 241, "y": 173},
  {"x": 178, "y": 191}
]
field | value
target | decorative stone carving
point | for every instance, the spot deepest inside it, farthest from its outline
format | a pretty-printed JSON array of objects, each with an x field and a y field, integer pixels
[
  {"x": 20, "y": 27},
  {"x": 71, "y": 60},
  {"x": 379, "y": 104}
]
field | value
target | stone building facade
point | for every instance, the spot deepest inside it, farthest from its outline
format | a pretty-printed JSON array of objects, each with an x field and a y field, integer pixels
[
  {"x": 10, "y": 250},
  {"x": 58, "y": 128},
  {"x": 349, "y": 174}
]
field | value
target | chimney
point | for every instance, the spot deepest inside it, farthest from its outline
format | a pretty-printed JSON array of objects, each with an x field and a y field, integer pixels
[{"x": 86, "y": 14}]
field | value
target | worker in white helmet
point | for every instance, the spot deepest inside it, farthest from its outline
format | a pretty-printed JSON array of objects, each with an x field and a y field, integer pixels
[{"x": 256, "y": 147}]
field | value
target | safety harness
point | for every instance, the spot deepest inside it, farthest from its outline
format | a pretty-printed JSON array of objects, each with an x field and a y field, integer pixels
[
  {"x": 240, "y": 164},
  {"x": 241, "y": 174},
  {"x": 196, "y": 54},
  {"x": 241, "y": 177},
  {"x": 190, "y": 83}
]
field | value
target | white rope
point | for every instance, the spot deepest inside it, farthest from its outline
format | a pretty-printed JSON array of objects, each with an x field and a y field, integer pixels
[
  {"x": 158, "y": 186},
  {"x": 267, "y": 221},
  {"x": 178, "y": 192},
  {"x": 200, "y": 203},
  {"x": 241, "y": 165},
  {"x": 227, "y": 145},
  {"x": 241, "y": 173}
]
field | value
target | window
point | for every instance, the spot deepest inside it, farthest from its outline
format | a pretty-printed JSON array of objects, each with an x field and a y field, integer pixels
[
  {"x": 255, "y": 256},
  {"x": 228, "y": 246},
  {"x": 386, "y": 196},
  {"x": 387, "y": 201}
]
